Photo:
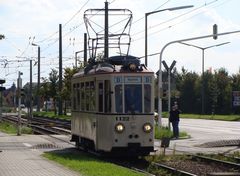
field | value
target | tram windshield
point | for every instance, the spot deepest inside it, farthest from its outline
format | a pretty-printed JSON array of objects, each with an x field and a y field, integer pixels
[{"x": 133, "y": 98}]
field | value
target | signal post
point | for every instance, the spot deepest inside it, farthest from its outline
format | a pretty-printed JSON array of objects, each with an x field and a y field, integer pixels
[{"x": 1, "y": 89}]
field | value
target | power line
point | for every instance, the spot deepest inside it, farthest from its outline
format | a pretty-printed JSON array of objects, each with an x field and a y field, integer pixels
[
  {"x": 184, "y": 14},
  {"x": 153, "y": 10},
  {"x": 49, "y": 37},
  {"x": 76, "y": 13}
]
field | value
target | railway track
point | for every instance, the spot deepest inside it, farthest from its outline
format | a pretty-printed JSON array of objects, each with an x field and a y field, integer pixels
[
  {"x": 192, "y": 165},
  {"x": 43, "y": 125},
  {"x": 208, "y": 166}
]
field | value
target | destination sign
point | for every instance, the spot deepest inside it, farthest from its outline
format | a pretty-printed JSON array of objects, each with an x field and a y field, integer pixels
[{"x": 133, "y": 79}]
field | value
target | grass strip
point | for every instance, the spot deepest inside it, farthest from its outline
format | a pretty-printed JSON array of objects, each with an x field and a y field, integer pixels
[
  {"x": 88, "y": 165},
  {"x": 212, "y": 117}
]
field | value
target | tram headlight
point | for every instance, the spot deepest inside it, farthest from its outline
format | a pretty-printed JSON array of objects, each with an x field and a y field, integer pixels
[
  {"x": 147, "y": 127},
  {"x": 132, "y": 66},
  {"x": 119, "y": 127}
]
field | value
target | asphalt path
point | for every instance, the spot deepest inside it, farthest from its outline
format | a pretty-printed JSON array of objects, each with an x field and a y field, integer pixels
[{"x": 205, "y": 131}]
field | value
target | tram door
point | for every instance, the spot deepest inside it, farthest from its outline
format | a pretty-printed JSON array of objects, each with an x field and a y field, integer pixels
[
  {"x": 104, "y": 96},
  {"x": 104, "y": 121}
]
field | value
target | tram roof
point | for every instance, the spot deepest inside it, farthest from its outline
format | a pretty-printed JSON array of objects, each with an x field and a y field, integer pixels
[{"x": 115, "y": 64}]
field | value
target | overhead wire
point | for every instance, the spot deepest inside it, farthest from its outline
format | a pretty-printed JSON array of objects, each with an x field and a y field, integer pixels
[
  {"x": 76, "y": 13},
  {"x": 153, "y": 10},
  {"x": 73, "y": 28},
  {"x": 184, "y": 14},
  {"x": 50, "y": 37},
  {"x": 153, "y": 54}
]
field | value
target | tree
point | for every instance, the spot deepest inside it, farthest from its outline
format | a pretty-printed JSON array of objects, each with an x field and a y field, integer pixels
[
  {"x": 187, "y": 85},
  {"x": 66, "y": 91},
  {"x": 45, "y": 90},
  {"x": 2, "y": 36},
  {"x": 223, "y": 82},
  {"x": 53, "y": 87},
  {"x": 210, "y": 88}
]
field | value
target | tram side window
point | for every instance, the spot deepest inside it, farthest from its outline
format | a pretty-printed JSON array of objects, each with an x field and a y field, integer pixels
[
  {"x": 118, "y": 99},
  {"x": 87, "y": 94},
  {"x": 107, "y": 96},
  {"x": 100, "y": 97},
  {"x": 78, "y": 96},
  {"x": 133, "y": 98},
  {"x": 74, "y": 97},
  {"x": 147, "y": 98},
  {"x": 92, "y": 96},
  {"x": 82, "y": 97}
]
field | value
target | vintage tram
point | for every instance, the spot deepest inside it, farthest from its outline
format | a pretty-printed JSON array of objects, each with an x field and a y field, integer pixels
[
  {"x": 113, "y": 107},
  {"x": 113, "y": 99}
]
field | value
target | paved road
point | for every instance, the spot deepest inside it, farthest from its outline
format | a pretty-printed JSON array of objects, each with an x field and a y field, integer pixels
[
  {"x": 21, "y": 156},
  {"x": 210, "y": 129},
  {"x": 203, "y": 131}
]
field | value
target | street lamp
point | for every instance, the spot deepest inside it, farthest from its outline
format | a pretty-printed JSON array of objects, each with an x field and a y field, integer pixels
[
  {"x": 38, "y": 81},
  {"x": 149, "y": 13},
  {"x": 160, "y": 65},
  {"x": 203, "y": 50}
]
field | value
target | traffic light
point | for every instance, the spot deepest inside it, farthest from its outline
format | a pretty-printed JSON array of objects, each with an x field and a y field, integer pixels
[
  {"x": 215, "y": 32},
  {"x": 1, "y": 82},
  {"x": 22, "y": 93}
]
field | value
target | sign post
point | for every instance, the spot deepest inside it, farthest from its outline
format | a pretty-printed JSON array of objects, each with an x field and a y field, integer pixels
[
  {"x": 19, "y": 86},
  {"x": 169, "y": 69},
  {"x": 236, "y": 98}
]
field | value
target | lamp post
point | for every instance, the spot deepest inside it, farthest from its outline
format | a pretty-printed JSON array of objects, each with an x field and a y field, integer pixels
[
  {"x": 19, "y": 86},
  {"x": 149, "y": 13},
  {"x": 160, "y": 66},
  {"x": 38, "y": 80},
  {"x": 30, "y": 94},
  {"x": 203, "y": 52}
]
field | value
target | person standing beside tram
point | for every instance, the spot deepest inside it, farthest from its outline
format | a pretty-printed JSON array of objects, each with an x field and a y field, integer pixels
[{"x": 174, "y": 119}]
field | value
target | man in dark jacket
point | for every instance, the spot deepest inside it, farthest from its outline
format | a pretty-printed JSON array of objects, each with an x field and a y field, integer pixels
[{"x": 174, "y": 119}]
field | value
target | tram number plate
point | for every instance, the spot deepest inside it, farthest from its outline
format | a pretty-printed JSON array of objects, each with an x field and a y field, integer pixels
[{"x": 122, "y": 118}]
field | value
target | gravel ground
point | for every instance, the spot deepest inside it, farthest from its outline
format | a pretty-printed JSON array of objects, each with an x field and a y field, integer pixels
[{"x": 197, "y": 167}]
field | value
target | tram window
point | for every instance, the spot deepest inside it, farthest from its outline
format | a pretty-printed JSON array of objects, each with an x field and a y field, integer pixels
[
  {"x": 147, "y": 98},
  {"x": 78, "y": 96},
  {"x": 87, "y": 94},
  {"x": 74, "y": 96},
  {"x": 82, "y": 97},
  {"x": 92, "y": 96},
  {"x": 107, "y": 96},
  {"x": 133, "y": 98},
  {"x": 100, "y": 97},
  {"x": 118, "y": 99}
]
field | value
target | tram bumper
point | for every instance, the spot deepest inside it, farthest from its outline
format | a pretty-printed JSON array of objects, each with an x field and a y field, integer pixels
[{"x": 132, "y": 149}]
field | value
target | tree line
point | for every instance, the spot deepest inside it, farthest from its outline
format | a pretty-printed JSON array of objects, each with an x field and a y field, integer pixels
[
  {"x": 217, "y": 86},
  {"x": 186, "y": 90}
]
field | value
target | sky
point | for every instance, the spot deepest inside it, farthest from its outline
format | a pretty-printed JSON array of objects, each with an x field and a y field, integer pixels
[{"x": 24, "y": 22}]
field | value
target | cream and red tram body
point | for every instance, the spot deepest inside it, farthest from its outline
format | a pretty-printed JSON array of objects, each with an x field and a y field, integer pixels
[{"x": 112, "y": 107}]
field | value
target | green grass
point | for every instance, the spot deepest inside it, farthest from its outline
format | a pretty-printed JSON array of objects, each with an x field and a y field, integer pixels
[
  {"x": 87, "y": 165},
  {"x": 229, "y": 117},
  {"x": 8, "y": 128},
  {"x": 212, "y": 117},
  {"x": 51, "y": 114},
  {"x": 12, "y": 129},
  {"x": 165, "y": 132}
]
